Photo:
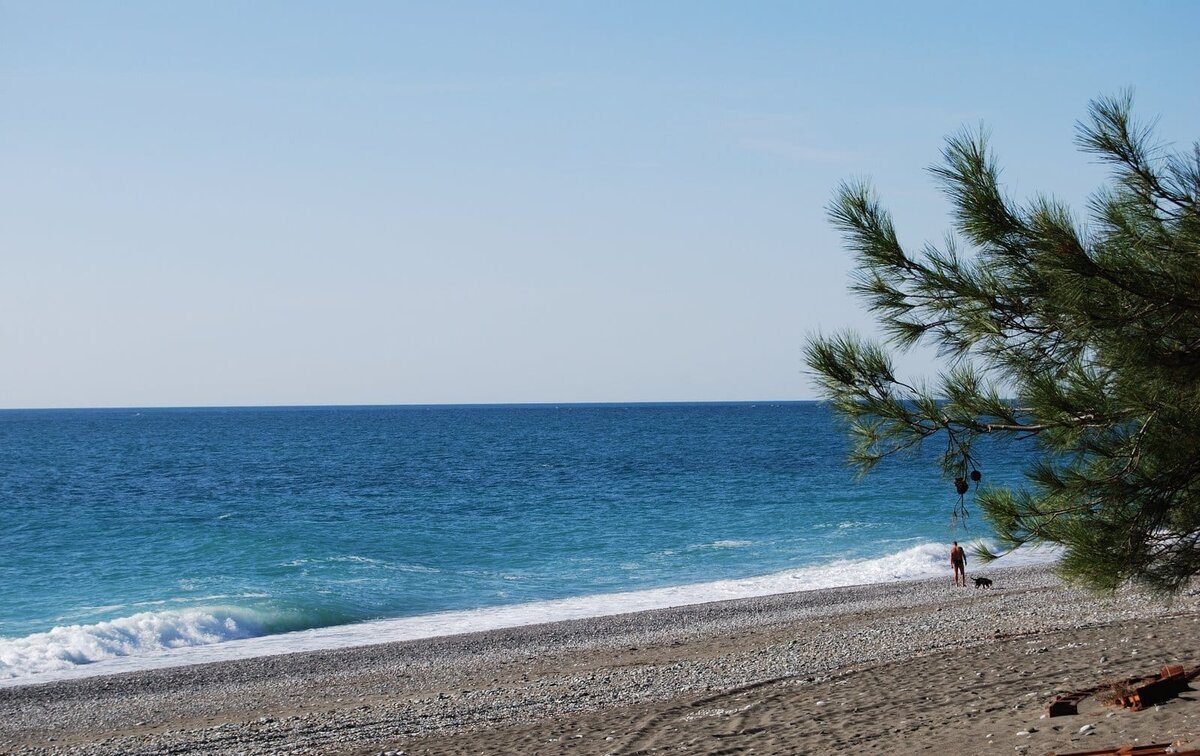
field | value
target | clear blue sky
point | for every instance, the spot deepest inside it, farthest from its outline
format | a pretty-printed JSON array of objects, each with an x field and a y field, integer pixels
[{"x": 341, "y": 203}]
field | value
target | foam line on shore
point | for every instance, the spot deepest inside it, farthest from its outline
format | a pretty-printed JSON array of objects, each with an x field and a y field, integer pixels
[{"x": 199, "y": 636}]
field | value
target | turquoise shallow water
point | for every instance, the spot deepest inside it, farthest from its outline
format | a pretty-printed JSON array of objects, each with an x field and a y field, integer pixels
[{"x": 128, "y": 531}]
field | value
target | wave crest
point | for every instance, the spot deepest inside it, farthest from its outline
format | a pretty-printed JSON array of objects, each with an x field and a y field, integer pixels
[{"x": 136, "y": 635}]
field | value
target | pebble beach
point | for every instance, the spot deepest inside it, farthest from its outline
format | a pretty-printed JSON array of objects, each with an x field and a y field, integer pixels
[{"x": 903, "y": 667}]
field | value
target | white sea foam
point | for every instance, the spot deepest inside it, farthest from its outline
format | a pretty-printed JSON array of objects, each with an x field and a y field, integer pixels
[
  {"x": 173, "y": 638},
  {"x": 414, "y": 568},
  {"x": 145, "y": 634},
  {"x": 725, "y": 543},
  {"x": 730, "y": 544},
  {"x": 356, "y": 559}
]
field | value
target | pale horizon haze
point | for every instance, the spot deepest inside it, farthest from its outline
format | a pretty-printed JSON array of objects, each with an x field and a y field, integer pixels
[{"x": 215, "y": 204}]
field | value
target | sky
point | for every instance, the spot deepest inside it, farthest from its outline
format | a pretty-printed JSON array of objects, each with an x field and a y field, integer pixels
[{"x": 289, "y": 203}]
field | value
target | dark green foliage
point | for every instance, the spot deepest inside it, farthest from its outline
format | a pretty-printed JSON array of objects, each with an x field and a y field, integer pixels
[{"x": 1094, "y": 331}]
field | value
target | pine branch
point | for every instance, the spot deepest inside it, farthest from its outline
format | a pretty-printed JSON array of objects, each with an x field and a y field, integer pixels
[{"x": 1096, "y": 333}]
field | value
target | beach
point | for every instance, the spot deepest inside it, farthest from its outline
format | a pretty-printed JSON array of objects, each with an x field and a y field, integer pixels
[{"x": 886, "y": 668}]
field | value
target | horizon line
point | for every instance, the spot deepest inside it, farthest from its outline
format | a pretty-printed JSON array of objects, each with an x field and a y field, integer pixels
[{"x": 428, "y": 405}]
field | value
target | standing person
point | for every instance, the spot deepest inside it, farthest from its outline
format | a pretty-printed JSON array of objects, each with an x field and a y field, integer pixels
[{"x": 958, "y": 560}]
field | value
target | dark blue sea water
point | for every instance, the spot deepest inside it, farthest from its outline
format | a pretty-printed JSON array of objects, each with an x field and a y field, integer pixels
[{"x": 126, "y": 532}]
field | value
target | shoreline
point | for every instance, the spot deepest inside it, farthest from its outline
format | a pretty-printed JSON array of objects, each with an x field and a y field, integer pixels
[
  {"x": 917, "y": 562},
  {"x": 631, "y": 673}
]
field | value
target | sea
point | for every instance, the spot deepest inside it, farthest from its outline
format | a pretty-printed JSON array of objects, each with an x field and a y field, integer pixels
[{"x": 140, "y": 538}]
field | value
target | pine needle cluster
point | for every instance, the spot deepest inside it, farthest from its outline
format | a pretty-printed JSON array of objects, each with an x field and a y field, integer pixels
[{"x": 1081, "y": 339}]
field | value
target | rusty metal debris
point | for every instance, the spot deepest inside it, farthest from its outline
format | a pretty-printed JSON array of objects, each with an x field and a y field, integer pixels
[
  {"x": 1171, "y": 682},
  {"x": 1130, "y": 750},
  {"x": 1068, "y": 703},
  {"x": 1144, "y": 691}
]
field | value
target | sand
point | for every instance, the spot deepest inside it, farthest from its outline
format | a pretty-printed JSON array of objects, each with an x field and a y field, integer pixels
[{"x": 895, "y": 668}]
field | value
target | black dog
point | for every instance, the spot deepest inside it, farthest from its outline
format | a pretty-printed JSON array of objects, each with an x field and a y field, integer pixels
[{"x": 982, "y": 582}]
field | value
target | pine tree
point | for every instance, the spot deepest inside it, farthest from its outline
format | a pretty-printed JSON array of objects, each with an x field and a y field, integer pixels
[{"x": 1082, "y": 340}]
